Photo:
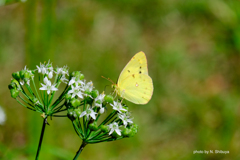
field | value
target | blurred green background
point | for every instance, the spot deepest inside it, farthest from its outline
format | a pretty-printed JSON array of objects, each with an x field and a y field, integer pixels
[{"x": 193, "y": 52}]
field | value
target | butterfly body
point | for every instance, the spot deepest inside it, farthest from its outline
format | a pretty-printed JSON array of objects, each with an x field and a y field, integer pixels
[{"x": 134, "y": 84}]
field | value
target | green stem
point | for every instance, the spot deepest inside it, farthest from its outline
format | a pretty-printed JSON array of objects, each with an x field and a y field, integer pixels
[
  {"x": 41, "y": 137},
  {"x": 80, "y": 150},
  {"x": 36, "y": 90}
]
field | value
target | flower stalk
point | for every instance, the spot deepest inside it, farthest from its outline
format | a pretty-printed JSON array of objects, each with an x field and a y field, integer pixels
[
  {"x": 41, "y": 137},
  {"x": 80, "y": 150}
]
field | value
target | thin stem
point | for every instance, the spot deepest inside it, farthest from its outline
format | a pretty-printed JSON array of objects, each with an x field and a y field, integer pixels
[
  {"x": 25, "y": 106},
  {"x": 80, "y": 150},
  {"x": 36, "y": 89},
  {"x": 41, "y": 137},
  {"x": 59, "y": 115}
]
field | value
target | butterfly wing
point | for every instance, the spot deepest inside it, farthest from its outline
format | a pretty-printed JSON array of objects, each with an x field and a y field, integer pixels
[
  {"x": 136, "y": 88},
  {"x": 138, "y": 64}
]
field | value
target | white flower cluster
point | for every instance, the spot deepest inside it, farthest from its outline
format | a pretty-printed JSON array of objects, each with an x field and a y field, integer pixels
[
  {"x": 48, "y": 71},
  {"x": 80, "y": 88},
  {"x": 125, "y": 117}
]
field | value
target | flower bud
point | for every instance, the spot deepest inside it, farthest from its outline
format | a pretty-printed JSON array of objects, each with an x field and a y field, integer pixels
[
  {"x": 87, "y": 92},
  {"x": 15, "y": 81},
  {"x": 93, "y": 126},
  {"x": 104, "y": 128},
  {"x": 108, "y": 98},
  {"x": 89, "y": 100},
  {"x": 14, "y": 93},
  {"x": 21, "y": 73},
  {"x": 75, "y": 73},
  {"x": 94, "y": 93},
  {"x": 78, "y": 111},
  {"x": 68, "y": 96},
  {"x": 114, "y": 134},
  {"x": 16, "y": 75},
  {"x": 126, "y": 132},
  {"x": 81, "y": 77},
  {"x": 27, "y": 75},
  {"x": 12, "y": 86},
  {"x": 134, "y": 129},
  {"x": 75, "y": 102}
]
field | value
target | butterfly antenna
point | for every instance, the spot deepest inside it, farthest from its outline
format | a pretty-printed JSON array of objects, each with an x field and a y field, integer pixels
[{"x": 108, "y": 79}]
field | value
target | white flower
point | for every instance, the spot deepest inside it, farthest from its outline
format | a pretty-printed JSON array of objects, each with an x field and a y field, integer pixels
[
  {"x": 46, "y": 69},
  {"x": 125, "y": 119},
  {"x": 118, "y": 106},
  {"x": 64, "y": 79},
  {"x": 102, "y": 110},
  {"x": 89, "y": 112},
  {"x": 98, "y": 102},
  {"x": 48, "y": 86},
  {"x": 114, "y": 127},
  {"x": 87, "y": 88},
  {"x": 41, "y": 68},
  {"x": 76, "y": 91},
  {"x": 58, "y": 71},
  {"x": 2, "y": 116},
  {"x": 50, "y": 74},
  {"x": 65, "y": 70},
  {"x": 76, "y": 81}
]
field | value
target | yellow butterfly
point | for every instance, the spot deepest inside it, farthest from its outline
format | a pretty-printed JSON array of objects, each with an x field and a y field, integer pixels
[{"x": 134, "y": 84}]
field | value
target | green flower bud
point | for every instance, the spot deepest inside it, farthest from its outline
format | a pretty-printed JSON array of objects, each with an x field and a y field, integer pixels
[
  {"x": 16, "y": 75},
  {"x": 14, "y": 93},
  {"x": 21, "y": 73},
  {"x": 12, "y": 86},
  {"x": 75, "y": 73},
  {"x": 126, "y": 132},
  {"x": 108, "y": 98},
  {"x": 134, "y": 129},
  {"x": 78, "y": 111},
  {"x": 15, "y": 81},
  {"x": 89, "y": 100},
  {"x": 87, "y": 92},
  {"x": 75, "y": 102},
  {"x": 68, "y": 96},
  {"x": 104, "y": 128},
  {"x": 27, "y": 75},
  {"x": 93, "y": 126},
  {"x": 81, "y": 77},
  {"x": 114, "y": 134},
  {"x": 94, "y": 93}
]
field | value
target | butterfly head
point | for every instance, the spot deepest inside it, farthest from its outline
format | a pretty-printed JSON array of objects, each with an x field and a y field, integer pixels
[{"x": 114, "y": 86}]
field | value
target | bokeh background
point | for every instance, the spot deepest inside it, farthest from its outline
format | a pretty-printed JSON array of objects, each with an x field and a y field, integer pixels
[{"x": 193, "y": 52}]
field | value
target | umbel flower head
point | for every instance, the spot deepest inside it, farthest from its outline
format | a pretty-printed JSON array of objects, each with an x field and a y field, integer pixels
[
  {"x": 86, "y": 110},
  {"x": 35, "y": 89}
]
